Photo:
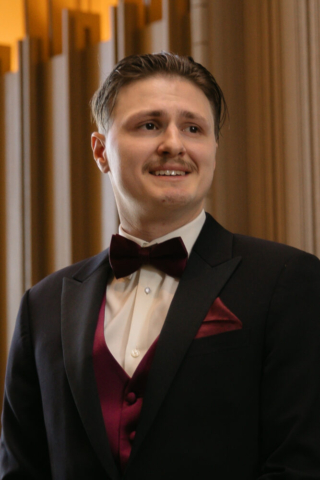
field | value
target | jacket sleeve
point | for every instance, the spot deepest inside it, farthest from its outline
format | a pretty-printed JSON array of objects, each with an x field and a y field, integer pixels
[
  {"x": 290, "y": 388},
  {"x": 23, "y": 449}
]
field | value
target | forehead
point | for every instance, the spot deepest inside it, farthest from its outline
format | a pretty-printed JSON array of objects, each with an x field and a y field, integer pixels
[{"x": 164, "y": 92}]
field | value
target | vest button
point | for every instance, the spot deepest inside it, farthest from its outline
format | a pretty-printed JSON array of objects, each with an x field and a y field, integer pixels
[
  {"x": 131, "y": 398},
  {"x": 132, "y": 436}
]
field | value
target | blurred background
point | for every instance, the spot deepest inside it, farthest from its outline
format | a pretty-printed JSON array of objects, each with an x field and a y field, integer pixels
[{"x": 55, "y": 206}]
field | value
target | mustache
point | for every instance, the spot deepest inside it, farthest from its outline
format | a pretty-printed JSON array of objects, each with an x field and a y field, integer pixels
[{"x": 166, "y": 163}]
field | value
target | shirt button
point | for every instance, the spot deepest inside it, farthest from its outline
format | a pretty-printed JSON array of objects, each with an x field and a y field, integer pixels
[
  {"x": 135, "y": 353},
  {"x": 147, "y": 290},
  {"x": 131, "y": 398},
  {"x": 132, "y": 436}
]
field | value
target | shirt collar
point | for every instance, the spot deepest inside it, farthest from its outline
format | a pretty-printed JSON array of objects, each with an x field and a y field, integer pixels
[{"x": 189, "y": 234}]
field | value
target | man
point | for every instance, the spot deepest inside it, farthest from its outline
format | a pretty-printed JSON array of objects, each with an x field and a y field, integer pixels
[{"x": 187, "y": 352}]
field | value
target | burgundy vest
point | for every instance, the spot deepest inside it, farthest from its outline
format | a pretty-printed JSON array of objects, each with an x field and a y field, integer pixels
[{"x": 121, "y": 397}]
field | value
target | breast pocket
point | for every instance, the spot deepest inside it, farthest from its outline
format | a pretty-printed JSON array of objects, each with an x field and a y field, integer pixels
[{"x": 222, "y": 341}]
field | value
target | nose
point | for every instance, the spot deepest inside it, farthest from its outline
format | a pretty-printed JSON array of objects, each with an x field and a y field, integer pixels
[{"x": 171, "y": 143}]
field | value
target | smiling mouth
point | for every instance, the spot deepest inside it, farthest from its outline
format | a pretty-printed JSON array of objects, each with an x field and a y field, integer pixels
[{"x": 169, "y": 173}]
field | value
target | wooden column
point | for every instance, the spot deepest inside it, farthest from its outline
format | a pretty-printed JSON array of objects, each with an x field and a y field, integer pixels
[
  {"x": 176, "y": 16},
  {"x": 3, "y": 286},
  {"x": 82, "y": 182},
  {"x": 171, "y": 32},
  {"x": 4, "y": 67},
  {"x": 264, "y": 120},
  {"x": 14, "y": 211},
  {"x": 200, "y": 24},
  {"x": 228, "y": 198},
  {"x": 127, "y": 29},
  {"x": 33, "y": 214},
  {"x": 313, "y": 21},
  {"x": 5, "y": 59}
]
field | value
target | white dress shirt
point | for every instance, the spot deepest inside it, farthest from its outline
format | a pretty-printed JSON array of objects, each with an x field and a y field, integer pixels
[{"x": 137, "y": 305}]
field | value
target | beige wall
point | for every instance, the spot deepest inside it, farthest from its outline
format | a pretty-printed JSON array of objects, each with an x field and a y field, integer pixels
[{"x": 55, "y": 207}]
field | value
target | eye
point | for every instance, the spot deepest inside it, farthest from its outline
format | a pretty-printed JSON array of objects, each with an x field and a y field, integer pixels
[
  {"x": 149, "y": 126},
  {"x": 193, "y": 129}
]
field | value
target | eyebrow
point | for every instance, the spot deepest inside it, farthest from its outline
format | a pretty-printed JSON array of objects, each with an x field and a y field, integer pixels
[{"x": 161, "y": 113}]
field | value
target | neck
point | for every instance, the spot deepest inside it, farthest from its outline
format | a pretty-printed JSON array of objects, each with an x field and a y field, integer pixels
[{"x": 151, "y": 228}]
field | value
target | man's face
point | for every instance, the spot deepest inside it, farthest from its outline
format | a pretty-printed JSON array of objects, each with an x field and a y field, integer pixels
[{"x": 160, "y": 148}]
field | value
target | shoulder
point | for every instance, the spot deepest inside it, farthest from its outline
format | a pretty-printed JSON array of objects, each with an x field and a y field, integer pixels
[
  {"x": 272, "y": 255},
  {"x": 53, "y": 282},
  {"x": 285, "y": 267},
  {"x": 252, "y": 246},
  {"x": 215, "y": 238}
]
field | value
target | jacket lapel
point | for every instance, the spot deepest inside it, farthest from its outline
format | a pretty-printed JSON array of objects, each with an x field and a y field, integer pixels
[
  {"x": 81, "y": 300},
  {"x": 208, "y": 269}
]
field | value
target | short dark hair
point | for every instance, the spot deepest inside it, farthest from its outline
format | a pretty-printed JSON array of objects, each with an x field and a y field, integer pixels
[{"x": 139, "y": 67}]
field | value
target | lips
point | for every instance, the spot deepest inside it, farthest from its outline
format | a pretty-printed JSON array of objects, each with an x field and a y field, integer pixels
[
  {"x": 170, "y": 169},
  {"x": 169, "y": 173}
]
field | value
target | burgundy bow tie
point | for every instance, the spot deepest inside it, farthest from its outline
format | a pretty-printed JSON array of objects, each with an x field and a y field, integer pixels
[{"x": 127, "y": 257}]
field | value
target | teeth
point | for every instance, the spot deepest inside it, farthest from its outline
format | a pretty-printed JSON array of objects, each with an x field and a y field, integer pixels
[{"x": 172, "y": 173}]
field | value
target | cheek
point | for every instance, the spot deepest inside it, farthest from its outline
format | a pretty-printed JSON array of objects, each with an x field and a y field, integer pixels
[
  {"x": 207, "y": 161},
  {"x": 209, "y": 166},
  {"x": 132, "y": 156},
  {"x": 211, "y": 159}
]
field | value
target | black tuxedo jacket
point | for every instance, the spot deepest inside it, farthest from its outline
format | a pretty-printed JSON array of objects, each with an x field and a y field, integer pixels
[{"x": 239, "y": 405}]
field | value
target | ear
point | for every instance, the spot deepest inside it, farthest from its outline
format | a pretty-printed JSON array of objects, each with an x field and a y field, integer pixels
[{"x": 98, "y": 145}]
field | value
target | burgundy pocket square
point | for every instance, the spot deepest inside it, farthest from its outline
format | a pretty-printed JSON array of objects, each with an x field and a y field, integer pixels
[{"x": 219, "y": 319}]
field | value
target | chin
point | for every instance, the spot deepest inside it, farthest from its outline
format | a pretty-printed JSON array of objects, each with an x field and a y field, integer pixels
[{"x": 174, "y": 200}]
